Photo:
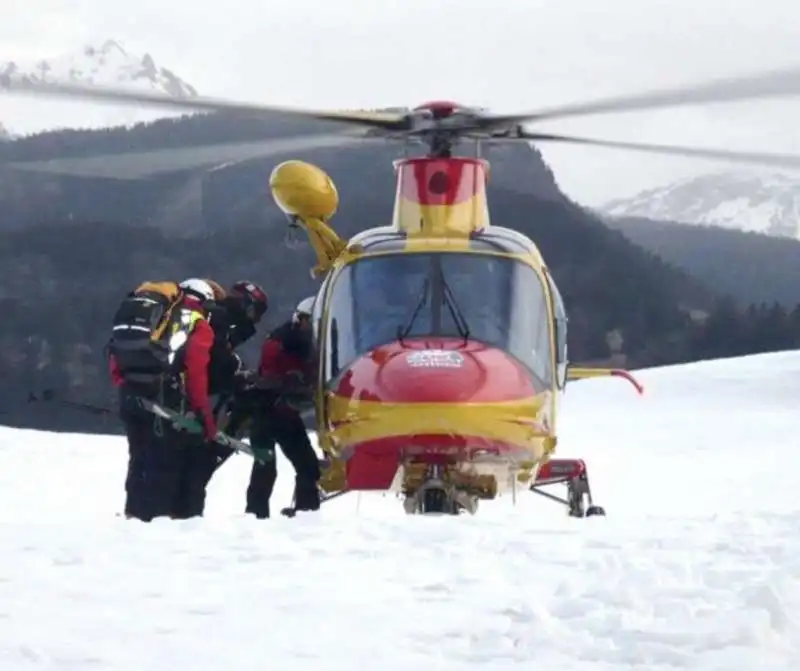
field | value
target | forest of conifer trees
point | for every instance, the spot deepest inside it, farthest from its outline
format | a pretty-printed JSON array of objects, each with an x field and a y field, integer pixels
[{"x": 70, "y": 248}]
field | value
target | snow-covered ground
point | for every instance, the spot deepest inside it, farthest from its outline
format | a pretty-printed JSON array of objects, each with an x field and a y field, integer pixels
[{"x": 697, "y": 565}]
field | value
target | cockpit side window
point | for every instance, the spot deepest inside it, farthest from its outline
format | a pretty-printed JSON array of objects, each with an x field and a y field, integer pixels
[
  {"x": 340, "y": 318},
  {"x": 530, "y": 336},
  {"x": 560, "y": 316}
]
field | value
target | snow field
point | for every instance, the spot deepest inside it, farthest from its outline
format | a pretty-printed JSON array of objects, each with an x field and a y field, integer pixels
[{"x": 696, "y": 567}]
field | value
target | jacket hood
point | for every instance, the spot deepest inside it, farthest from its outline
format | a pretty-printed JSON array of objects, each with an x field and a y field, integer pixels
[{"x": 294, "y": 340}]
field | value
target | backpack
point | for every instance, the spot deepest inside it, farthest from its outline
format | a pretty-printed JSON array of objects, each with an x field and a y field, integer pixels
[{"x": 139, "y": 334}]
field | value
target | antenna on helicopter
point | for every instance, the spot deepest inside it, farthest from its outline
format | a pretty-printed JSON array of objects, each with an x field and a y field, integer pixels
[{"x": 293, "y": 237}]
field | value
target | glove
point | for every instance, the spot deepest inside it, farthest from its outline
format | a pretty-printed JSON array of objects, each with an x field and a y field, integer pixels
[
  {"x": 244, "y": 379},
  {"x": 249, "y": 376}
]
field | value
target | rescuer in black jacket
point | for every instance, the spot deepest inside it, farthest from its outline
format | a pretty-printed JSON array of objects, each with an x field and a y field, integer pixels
[{"x": 234, "y": 319}]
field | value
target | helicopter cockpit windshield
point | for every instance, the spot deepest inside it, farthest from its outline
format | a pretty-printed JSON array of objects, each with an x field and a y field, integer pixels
[{"x": 492, "y": 299}]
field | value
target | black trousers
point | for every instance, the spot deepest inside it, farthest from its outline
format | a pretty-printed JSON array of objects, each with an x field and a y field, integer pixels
[
  {"x": 201, "y": 468},
  {"x": 289, "y": 432},
  {"x": 154, "y": 468},
  {"x": 166, "y": 467},
  {"x": 198, "y": 460}
]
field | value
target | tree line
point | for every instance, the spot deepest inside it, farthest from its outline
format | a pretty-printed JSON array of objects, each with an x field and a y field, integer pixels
[{"x": 70, "y": 249}]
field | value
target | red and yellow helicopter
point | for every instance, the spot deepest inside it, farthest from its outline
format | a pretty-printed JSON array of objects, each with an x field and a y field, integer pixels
[
  {"x": 442, "y": 336},
  {"x": 442, "y": 344}
]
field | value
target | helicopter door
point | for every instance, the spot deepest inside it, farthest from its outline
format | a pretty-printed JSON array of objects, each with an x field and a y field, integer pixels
[
  {"x": 319, "y": 305},
  {"x": 560, "y": 317},
  {"x": 316, "y": 326}
]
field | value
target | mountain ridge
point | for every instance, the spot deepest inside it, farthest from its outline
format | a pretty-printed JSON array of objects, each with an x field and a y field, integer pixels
[
  {"x": 105, "y": 63},
  {"x": 751, "y": 201},
  {"x": 747, "y": 267}
]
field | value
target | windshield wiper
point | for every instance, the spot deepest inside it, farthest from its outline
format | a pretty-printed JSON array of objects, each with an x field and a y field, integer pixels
[
  {"x": 402, "y": 332},
  {"x": 458, "y": 317}
]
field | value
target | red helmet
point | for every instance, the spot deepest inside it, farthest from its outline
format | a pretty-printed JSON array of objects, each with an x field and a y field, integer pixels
[{"x": 253, "y": 297}]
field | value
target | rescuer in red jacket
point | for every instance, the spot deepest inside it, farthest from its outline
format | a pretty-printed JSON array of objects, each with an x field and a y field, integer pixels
[
  {"x": 163, "y": 460},
  {"x": 234, "y": 319},
  {"x": 287, "y": 375}
]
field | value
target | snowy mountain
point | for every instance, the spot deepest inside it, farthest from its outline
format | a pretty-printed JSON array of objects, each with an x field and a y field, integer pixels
[
  {"x": 4, "y": 133},
  {"x": 748, "y": 201},
  {"x": 107, "y": 64},
  {"x": 695, "y": 568}
]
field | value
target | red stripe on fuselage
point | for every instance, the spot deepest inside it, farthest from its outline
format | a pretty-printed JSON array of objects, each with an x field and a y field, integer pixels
[{"x": 441, "y": 181}]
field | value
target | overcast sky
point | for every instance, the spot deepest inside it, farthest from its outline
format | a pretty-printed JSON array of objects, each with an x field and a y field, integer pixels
[{"x": 502, "y": 54}]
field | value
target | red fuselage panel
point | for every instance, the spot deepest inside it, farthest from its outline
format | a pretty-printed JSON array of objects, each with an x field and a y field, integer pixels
[{"x": 436, "y": 370}]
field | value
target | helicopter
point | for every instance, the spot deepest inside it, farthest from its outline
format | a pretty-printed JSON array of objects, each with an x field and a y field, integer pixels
[
  {"x": 442, "y": 342},
  {"x": 442, "y": 336}
]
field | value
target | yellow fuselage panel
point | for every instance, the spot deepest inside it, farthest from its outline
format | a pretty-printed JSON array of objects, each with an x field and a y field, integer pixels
[{"x": 521, "y": 425}]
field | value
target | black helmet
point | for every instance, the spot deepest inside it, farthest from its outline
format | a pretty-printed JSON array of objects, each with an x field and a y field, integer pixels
[{"x": 253, "y": 297}]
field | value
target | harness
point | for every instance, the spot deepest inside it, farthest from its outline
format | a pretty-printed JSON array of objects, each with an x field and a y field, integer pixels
[
  {"x": 180, "y": 330},
  {"x": 183, "y": 322}
]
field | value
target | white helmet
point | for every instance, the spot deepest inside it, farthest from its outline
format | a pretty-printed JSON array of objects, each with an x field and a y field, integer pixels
[
  {"x": 198, "y": 288},
  {"x": 304, "y": 308}
]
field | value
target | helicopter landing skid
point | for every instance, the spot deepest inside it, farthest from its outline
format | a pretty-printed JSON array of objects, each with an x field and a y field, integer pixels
[
  {"x": 436, "y": 496},
  {"x": 572, "y": 473}
]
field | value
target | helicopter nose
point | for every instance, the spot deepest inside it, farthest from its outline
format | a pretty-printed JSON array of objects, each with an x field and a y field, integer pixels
[{"x": 437, "y": 371}]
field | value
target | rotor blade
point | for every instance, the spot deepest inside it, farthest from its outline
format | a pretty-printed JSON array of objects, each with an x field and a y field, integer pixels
[
  {"x": 197, "y": 103},
  {"x": 762, "y": 85},
  {"x": 758, "y": 158},
  {"x": 138, "y": 165}
]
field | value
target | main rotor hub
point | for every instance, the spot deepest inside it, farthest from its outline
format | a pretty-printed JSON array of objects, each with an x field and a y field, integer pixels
[
  {"x": 440, "y": 124},
  {"x": 439, "y": 109}
]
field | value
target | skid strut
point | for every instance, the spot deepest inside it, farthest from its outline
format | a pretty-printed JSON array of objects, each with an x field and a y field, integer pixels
[
  {"x": 572, "y": 473},
  {"x": 437, "y": 496}
]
